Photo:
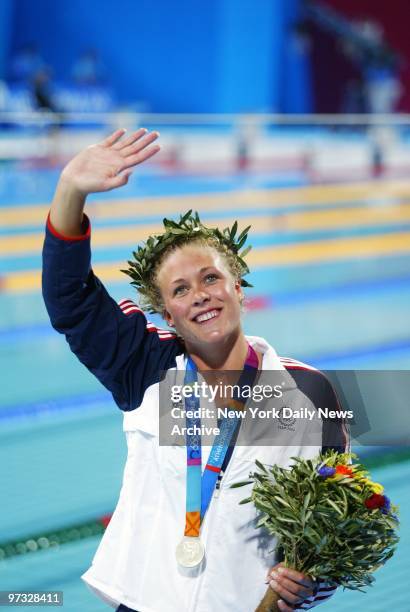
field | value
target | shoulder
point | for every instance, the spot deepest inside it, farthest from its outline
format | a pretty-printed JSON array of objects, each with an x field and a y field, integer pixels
[
  {"x": 148, "y": 351},
  {"x": 130, "y": 308},
  {"x": 294, "y": 364},
  {"x": 308, "y": 378},
  {"x": 317, "y": 387}
]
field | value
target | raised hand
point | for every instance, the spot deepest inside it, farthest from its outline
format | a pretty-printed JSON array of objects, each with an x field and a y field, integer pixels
[
  {"x": 100, "y": 167},
  {"x": 108, "y": 164}
]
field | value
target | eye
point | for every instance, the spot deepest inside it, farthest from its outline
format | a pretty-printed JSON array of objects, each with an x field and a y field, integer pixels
[
  {"x": 180, "y": 290},
  {"x": 211, "y": 277}
]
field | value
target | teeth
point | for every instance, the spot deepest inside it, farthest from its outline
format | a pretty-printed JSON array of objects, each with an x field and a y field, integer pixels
[{"x": 207, "y": 315}]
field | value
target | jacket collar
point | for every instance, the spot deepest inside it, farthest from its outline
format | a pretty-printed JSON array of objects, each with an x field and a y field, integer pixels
[{"x": 270, "y": 361}]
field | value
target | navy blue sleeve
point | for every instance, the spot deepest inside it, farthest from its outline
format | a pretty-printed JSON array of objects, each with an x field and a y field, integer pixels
[
  {"x": 317, "y": 387},
  {"x": 122, "y": 350}
]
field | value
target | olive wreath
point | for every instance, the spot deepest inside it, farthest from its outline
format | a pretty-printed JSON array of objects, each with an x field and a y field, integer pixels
[{"x": 142, "y": 268}]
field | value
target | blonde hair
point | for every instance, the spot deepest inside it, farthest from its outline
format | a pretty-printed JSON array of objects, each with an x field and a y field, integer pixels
[{"x": 151, "y": 297}]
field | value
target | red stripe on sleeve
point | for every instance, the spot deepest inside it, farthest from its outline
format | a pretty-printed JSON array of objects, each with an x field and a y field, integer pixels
[{"x": 86, "y": 226}]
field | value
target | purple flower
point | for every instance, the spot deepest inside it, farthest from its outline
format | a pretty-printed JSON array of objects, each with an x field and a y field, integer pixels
[
  {"x": 387, "y": 504},
  {"x": 325, "y": 471}
]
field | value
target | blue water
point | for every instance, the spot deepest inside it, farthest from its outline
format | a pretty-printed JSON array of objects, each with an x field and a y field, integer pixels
[{"x": 61, "y": 442}]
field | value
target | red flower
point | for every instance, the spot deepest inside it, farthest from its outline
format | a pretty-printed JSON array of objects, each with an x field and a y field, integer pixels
[
  {"x": 375, "y": 501},
  {"x": 343, "y": 469},
  {"x": 104, "y": 520}
]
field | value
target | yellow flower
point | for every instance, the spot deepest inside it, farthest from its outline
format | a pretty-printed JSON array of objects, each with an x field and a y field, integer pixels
[
  {"x": 374, "y": 486},
  {"x": 359, "y": 474}
]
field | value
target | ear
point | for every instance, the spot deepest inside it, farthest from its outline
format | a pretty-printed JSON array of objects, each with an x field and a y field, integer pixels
[
  {"x": 238, "y": 290},
  {"x": 167, "y": 318}
]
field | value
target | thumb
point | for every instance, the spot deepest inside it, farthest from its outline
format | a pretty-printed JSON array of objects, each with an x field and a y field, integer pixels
[{"x": 120, "y": 180}]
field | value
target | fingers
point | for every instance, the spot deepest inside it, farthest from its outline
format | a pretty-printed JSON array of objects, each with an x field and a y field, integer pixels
[
  {"x": 272, "y": 569},
  {"x": 294, "y": 575},
  {"x": 139, "y": 144},
  {"x": 119, "y": 180},
  {"x": 285, "y": 607},
  {"x": 127, "y": 145},
  {"x": 134, "y": 160},
  {"x": 113, "y": 138},
  {"x": 294, "y": 587},
  {"x": 120, "y": 145},
  {"x": 289, "y": 598},
  {"x": 133, "y": 150},
  {"x": 293, "y": 592},
  {"x": 118, "y": 157}
]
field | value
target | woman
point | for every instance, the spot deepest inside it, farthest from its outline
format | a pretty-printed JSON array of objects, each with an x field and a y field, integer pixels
[{"x": 194, "y": 277}]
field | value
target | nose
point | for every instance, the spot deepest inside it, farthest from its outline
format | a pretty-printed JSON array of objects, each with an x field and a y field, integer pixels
[{"x": 200, "y": 297}]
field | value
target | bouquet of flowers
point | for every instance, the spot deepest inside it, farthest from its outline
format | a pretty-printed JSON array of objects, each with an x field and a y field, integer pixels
[{"x": 330, "y": 519}]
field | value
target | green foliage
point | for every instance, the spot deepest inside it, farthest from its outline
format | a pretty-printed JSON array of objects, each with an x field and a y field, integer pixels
[
  {"x": 323, "y": 524},
  {"x": 176, "y": 234}
]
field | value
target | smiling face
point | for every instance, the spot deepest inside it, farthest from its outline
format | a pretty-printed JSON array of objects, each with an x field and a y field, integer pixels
[{"x": 202, "y": 299}]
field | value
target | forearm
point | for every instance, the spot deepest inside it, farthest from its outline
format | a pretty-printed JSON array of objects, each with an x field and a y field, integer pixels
[{"x": 66, "y": 212}]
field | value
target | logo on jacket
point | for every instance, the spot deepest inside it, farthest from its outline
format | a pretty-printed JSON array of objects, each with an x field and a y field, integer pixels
[{"x": 286, "y": 422}]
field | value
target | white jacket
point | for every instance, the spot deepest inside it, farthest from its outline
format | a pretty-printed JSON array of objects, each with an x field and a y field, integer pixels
[{"x": 135, "y": 563}]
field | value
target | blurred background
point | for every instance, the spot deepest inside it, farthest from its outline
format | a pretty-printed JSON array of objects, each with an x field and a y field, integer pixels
[{"x": 290, "y": 116}]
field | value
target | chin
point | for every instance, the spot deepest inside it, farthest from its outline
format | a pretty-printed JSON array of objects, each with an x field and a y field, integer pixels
[{"x": 216, "y": 336}]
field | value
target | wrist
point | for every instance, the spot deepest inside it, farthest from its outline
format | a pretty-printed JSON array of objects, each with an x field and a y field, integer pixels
[
  {"x": 68, "y": 188},
  {"x": 84, "y": 234}
]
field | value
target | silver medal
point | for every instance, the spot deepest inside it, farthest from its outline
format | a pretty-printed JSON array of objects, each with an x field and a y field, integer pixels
[{"x": 190, "y": 551}]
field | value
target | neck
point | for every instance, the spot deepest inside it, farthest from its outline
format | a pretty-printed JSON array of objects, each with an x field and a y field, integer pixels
[{"x": 229, "y": 355}]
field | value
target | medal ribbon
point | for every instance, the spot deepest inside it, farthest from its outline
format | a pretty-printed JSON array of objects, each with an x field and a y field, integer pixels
[{"x": 200, "y": 487}]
